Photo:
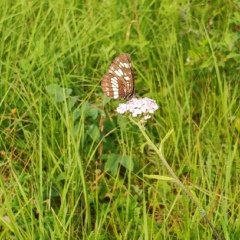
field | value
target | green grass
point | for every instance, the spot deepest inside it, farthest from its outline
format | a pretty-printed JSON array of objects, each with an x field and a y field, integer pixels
[{"x": 71, "y": 167}]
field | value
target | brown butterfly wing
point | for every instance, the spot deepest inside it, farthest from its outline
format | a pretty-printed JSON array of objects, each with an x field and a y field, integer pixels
[{"x": 118, "y": 83}]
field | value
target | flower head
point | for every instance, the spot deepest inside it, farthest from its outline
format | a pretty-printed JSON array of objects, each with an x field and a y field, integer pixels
[{"x": 138, "y": 106}]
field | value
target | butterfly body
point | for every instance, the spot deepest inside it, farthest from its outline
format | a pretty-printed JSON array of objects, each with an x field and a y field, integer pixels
[{"x": 118, "y": 82}]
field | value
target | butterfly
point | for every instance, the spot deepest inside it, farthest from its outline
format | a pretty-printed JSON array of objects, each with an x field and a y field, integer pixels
[{"x": 118, "y": 82}]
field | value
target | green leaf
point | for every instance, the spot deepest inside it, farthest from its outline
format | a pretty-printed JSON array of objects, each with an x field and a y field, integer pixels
[
  {"x": 60, "y": 94},
  {"x": 94, "y": 132},
  {"x": 93, "y": 113},
  {"x": 112, "y": 163},
  {"x": 53, "y": 89},
  {"x": 127, "y": 162},
  {"x": 76, "y": 114},
  {"x": 72, "y": 101},
  {"x": 122, "y": 121},
  {"x": 158, "y": 177}
]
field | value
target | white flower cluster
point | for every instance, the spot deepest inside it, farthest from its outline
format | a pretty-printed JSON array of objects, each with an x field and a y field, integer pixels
[{"x": 138, "y": 106}]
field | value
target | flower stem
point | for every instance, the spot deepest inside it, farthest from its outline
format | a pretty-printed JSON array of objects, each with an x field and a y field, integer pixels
[{"x": 165, "y": 163}]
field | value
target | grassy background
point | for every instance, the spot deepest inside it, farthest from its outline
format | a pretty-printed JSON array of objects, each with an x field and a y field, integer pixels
[{"x": 65, "y": 154}]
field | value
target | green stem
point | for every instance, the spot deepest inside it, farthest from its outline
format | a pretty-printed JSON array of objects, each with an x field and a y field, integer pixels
[{"x": 165, "y": 163}]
